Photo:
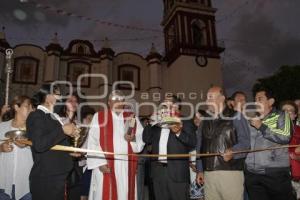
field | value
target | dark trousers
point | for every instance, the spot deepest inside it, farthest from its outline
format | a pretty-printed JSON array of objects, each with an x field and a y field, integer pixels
[
  {"x": 149, "y": 180},
  {"x": 274, "y": 186},
  {"x": 75, "y": 182},
  {"x": 141, "y": 178},
  {"x": 166, "y": 189},
  {"x": 48, "y": 188},
  {"x": 86, "y": 179}
]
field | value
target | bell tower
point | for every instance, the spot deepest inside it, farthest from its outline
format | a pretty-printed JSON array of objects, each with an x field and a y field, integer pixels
[
  {"x": 189, "y": 29},
  {"x": 192, "y": 53}
]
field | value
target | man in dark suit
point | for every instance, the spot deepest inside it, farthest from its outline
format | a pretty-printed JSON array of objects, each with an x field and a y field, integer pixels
[
  {"x": 45, "y": 130},
  {"x": 171, "y": 176}
]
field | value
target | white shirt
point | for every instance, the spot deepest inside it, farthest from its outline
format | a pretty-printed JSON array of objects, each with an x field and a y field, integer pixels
[
  {"x": 46, "y": 110},
  {"x": 163, "y": 144},
  {"x": 120, "y": 145},
  {"x": 15, "y": 166},
  {"x": 96, "y": 160}
]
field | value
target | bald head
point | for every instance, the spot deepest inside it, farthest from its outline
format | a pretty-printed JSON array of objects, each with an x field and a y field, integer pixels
[
  {"x": 216, "y": 90},
  {"x": 116, "y": 95},
  {"x": 215, "y": 99}
]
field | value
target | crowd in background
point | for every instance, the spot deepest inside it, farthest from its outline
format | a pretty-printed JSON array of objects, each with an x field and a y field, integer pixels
[{"x": 26, "y": 171}]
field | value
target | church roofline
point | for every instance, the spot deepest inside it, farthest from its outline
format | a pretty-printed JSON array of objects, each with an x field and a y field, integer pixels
[
  {"x": 28, "y": 44},
  {"x": 54, "y": 47},
  {"x": 86, "y": 42},
  {"x": 67, "y": 51},
  {"x": 132, "y": 53},
  {"x": 106, "y": 51},
  {"x": 154, "y": 55}
]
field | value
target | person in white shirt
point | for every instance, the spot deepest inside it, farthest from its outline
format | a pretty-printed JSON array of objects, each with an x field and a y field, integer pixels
[
  {"x": 86, "y": 117},
  {"x": 171, "y": 176},
  {"x": 15, "y": 158},
  {"x": 114, "y": 176}
]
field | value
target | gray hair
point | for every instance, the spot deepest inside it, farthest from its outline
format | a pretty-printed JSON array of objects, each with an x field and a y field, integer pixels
[{"x": 116, "y": 94}]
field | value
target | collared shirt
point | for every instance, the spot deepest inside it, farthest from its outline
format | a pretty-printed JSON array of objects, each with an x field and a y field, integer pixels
[
  {"x": 163, "y": 143},
  {"x": 47, "y": 111}
]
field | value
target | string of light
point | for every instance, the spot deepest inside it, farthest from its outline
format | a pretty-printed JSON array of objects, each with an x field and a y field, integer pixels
[
  {"x": 64, "y": 12},
  {"x": 33, "y": 38}
]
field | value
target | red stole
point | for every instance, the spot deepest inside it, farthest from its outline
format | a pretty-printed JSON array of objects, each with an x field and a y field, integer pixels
[{"x": 106, "y": 142}]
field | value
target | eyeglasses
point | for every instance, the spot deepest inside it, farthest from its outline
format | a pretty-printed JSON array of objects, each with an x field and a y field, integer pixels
[{"x": 117, "y": 98}]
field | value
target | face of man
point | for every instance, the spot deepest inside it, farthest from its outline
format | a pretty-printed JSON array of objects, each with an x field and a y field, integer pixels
[
  {"x": 116, "y": 103},
  {"x": 239, "y": 102},
  {"x": 290, "y": 110},
  {"x": 215, "y": 100},
  {"x": 169, "y": 105},
  {"x": 265, "y": 104},
  {"x": 52, "y": 98}
]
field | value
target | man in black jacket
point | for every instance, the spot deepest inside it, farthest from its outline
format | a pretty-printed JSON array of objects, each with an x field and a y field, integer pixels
[
  {"x": 170, "y": 176},
  {"x": 225, "y": 132},
  {"x": 45, "y": 130}
]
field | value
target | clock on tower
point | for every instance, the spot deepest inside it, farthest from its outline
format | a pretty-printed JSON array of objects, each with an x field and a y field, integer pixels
[{"x": 192, "y": 53}]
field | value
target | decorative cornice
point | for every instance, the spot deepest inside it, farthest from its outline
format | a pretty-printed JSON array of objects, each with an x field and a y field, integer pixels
[
  {"x": 130, "y": 53},
  {"x": 154, "y": 62},
  {"x": 153, "y": 56},
  {"x": 68, "y": 51},
  {"x": 26, "y": 44},
  {"x": 107, "y": 51},
  {"x": 54, "y": 47}
]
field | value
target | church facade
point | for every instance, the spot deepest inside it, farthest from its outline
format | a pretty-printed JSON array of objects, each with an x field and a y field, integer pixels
[{"x": 190, "y": 65}]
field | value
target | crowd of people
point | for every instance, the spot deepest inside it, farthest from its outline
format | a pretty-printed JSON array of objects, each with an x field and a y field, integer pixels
[{"x": 244, "y": 155}]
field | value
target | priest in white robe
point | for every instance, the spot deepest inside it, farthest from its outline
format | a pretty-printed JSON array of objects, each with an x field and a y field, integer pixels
[{"x": 114, "y": 176}]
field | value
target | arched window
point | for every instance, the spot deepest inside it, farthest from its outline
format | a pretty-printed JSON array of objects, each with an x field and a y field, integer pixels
[
  {"x": 199, "y": 33},
  {"x": 129, "y": 73},
  {"x": 171, "y": 37},
  {"x": 80, "y": 49},
  {"x": 25, "y": 70},
  {"x": 76, "y": 69}
]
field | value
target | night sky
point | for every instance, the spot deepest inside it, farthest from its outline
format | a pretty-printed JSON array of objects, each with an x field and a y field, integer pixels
[{"x": 259, "y": 35}]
